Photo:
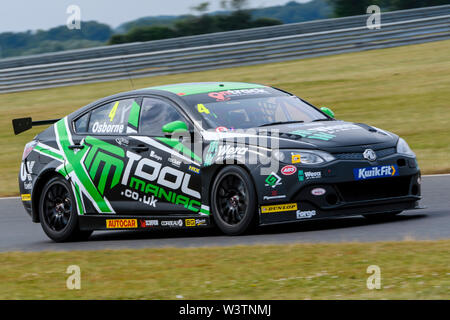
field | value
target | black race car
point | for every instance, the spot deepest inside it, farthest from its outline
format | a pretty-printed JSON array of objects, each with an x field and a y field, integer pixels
[{"x": 191, "y": 155}]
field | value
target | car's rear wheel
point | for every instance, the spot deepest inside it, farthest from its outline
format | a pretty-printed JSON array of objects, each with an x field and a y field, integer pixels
[
  {"x": 382, "y": 216},
  {"x": 57, "y": 212},
  {"x": 233, "y": 200}
]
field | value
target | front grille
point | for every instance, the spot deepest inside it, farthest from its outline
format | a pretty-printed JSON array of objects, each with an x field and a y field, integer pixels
[
  {"x": 374, "y": 189},
  {"x": 359, "y": 155}
]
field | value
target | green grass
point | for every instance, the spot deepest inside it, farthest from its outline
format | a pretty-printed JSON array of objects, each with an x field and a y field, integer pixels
[
  {"x": 405, "y": 90},
  {"x": 409, "y": 270}
]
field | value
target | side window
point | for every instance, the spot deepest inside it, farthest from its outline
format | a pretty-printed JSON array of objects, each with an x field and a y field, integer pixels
[
  {"x": 156, "y": 113},
  {"x": 81, "y": 124},
  {"x": 111, "y": 118}
]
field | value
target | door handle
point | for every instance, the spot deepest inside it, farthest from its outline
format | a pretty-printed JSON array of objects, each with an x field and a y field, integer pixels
[
  {"x": 140, "y": 148},
  {"x": 76, "y": 146}
]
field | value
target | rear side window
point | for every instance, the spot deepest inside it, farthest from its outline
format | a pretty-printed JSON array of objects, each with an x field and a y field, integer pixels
[
  {"x": 81, "y": 124},
  {"x": 109, "y": 119},
  {"x": 156, "y": 113}
]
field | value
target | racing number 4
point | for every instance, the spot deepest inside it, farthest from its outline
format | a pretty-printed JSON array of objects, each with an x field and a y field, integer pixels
[{"x": 202, "y": 109}]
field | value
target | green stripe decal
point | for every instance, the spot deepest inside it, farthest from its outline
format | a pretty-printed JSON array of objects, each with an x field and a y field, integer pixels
[
  {"x": 75, "y": 163},
  {"x": 133, "y": 118},
  {"x": 77, "y": 195},
  {"x": 177, "y": 145},
  {"x": 48, "y": 152},
  {"x": 204, "y": 87}
]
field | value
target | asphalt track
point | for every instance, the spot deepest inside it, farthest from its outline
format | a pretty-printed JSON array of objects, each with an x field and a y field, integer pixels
[{"x": 18, "y": 233}]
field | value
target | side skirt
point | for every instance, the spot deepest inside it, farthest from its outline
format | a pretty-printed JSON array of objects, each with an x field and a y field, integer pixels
[{"x": 139, "y": 222}]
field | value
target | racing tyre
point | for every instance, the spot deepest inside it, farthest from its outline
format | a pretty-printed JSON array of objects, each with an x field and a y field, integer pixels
[
  {"x": 57, "y": 212},
  {"x": 233, "y": 201},
  {"x": 382, "y": 216}
]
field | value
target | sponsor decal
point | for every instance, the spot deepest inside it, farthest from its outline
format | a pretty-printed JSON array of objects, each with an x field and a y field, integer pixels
[
  {"x": 221, "y": 129},
  {"x": 152, "y": 171},
  {"x": 296, "y": 158},
  {"x": 279, "y": 208},
  {"x": 27, "y": 185},
  {"x": 194, "y": 222},
  {"x": 155, "y": 156},
  {"x": 25, "y": 171},
  {"x": 174, "y": 161},
  {"x": 226, "y": 95},
  {"x": 305, "y": 214},
  {"x": 148, "y": 223},
  {"x": 194, "y": 169},
  {"x": 122, "y": 141},
  {"x": 281, "y": 196},
  {"x": 273, "y": 180},
  {"x": 172, "y": 223},
  {"x": 121, "y": 223},
  {"x": 288, "y": 170},
  {"x": 200, "y": 222},
  {"x": 375, "y": 172},
  {"x": 107, "y": 128},
  {"x": 26, "y": 197},
  {"x": 318, "y": 191},
  {"x": 228, "y": 151},
  {"x": 102, "y": 160},
  {"x": 274, "y": 195},
  {"x": 149, "y": 200},
  {"x": 306, "y": 175}
]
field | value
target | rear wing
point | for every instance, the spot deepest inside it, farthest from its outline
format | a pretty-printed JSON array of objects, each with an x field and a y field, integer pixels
[{"x": 23, "y": 124}]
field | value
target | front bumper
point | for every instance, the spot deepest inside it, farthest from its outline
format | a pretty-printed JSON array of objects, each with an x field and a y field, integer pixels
[{"x": 342, "y": 193}]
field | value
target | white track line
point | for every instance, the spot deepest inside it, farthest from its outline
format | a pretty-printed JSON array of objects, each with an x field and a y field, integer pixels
[{"x": 426, "y": 175}]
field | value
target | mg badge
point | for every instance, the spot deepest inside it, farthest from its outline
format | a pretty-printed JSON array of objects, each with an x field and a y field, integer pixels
[{"x": 370, "y": 155}]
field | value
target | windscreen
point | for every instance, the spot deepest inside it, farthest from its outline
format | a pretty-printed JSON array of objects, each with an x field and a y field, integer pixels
[{"x": 250, "y": 108}]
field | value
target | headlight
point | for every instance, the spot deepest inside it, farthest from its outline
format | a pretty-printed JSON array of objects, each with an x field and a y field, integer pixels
[
  {"x": 303, "y": 157},
  {"x": 403, "y": 148}
]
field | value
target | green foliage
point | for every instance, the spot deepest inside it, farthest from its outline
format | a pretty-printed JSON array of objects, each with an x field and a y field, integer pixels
[
  {"x": 143, "y": 34},
  {"x": 289, "y": 13},
  {"x": 264, "y": 22},
  {"x": 409, "y": 4},
  {"x": 293, "y": 11},
  {"x": 193, "y": 25},
  {"x": 55, "y": 39},
  {"x": 343, "y": 8}
]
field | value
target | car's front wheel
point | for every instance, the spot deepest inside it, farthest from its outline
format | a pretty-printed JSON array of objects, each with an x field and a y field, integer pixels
[
  {"x": 233, "y": 200},
  {"x": 57, "y": 212}
]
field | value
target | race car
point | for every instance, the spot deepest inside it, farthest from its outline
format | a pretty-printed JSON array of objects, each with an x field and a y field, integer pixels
[{"x": 193, "y": 155}]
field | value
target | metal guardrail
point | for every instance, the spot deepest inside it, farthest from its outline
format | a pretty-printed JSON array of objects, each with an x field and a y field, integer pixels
[
  {"x": 221, "y": 37},
  {"x": 228, "y": 54}
]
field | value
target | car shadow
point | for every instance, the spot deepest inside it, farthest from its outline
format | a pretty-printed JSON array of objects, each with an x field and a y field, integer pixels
[
  {"x": 303, "y": 226},
  {"x": 333, "y": 223}
]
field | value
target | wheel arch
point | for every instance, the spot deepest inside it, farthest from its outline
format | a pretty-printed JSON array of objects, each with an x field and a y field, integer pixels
[
  {"x": 214, "y": 171},
  {"x": 37, "y": 191}
]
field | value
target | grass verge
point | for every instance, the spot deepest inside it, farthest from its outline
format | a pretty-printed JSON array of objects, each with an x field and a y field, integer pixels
[
  {"x": 409, "y": 270},
  {"x": 403, "y": 89}
]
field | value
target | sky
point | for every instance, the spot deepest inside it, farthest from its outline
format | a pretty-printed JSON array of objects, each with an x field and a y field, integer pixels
[{"x": 22, "y": 15}]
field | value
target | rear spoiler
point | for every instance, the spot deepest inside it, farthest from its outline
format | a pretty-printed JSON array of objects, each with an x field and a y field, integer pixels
[{"x": 23, "y": 124}]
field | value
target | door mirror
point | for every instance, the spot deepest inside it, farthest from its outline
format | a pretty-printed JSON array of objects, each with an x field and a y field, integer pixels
[
  {"x": 175, "y": 126},
  {"x": 327, "y": 111}
]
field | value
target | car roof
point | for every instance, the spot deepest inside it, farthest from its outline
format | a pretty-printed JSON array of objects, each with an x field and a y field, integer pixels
[
  {"x": 189, "y": 88},
  {"x": 176, "y": 91}
]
